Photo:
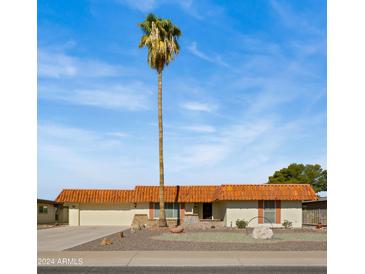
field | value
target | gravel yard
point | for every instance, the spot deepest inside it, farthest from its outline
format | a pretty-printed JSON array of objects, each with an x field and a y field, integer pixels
[
  {"x": 205, "y": 240},
  {"x": 232, "y": 237}
]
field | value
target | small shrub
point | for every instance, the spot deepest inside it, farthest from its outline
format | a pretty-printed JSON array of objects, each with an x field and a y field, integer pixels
[
  {"x": 287, "y": 224},
  {"x": 241, "y": 223}
]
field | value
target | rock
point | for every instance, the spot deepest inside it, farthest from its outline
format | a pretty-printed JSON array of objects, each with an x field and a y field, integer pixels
[
  {"x": 177, "y": 229},
  {"x": 262, "y": 232},
  {"x": 105, "y": 241},
  {"x": 135, "y": 228}
]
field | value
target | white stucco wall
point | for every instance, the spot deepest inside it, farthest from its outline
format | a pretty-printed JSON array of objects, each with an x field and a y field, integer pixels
[{"x": 105, "y": 214}]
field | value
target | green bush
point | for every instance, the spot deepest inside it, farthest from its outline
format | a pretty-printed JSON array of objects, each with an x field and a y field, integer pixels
[
  {"x": 241, "y": 223},
  {"x": 287, "y": 224}
]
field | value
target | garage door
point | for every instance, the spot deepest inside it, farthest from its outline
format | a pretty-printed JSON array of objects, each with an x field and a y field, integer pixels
[{"x": 106, "y": 214}]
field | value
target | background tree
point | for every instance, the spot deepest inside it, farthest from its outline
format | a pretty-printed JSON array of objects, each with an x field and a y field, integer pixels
[
  {"x": 300, "y": 174},
  {"x": 160, "y": 38}
]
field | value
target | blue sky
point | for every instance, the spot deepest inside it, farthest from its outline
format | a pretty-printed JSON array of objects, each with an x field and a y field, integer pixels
[{"x": 245, "y": 97}]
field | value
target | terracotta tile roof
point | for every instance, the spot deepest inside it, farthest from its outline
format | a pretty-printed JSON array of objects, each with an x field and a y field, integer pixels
[
  {"x": 190, "y": 193},
  {"x": 177, "y": 193},
  {"x": 267, "y": 192},
  {"x": 95, "y": 196}
]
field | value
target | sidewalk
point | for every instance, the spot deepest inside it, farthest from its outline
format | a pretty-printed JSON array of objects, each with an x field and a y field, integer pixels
[{"x": 182, "y": 258}]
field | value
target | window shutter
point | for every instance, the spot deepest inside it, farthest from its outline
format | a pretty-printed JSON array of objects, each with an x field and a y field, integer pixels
[
  {"x": 151, "y": 211},
  {"x": 182, "y": 211},
  {"x": 278, "y": 212},
  {"x": 261, "y": 212}
]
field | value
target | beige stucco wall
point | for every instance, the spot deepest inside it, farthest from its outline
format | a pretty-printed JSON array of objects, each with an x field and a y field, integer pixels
[
  {"x": 46, "y": 218},
  {"x": 290, "y": 210},
  {"x": 105, "y": 214},
  {"x": 229, "y": 211},
  {"x": 63, "y": 215},
  {"x": 240, "y": 210},
  {"x": 73, "y": 214},
  {"x": 50, "y": 216},
  {"x": 218, "y": 210}
]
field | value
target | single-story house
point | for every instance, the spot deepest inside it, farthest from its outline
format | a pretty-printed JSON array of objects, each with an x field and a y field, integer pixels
[
  {"x": 261, "y": 204},
  {"x": 50, "y": 212}
]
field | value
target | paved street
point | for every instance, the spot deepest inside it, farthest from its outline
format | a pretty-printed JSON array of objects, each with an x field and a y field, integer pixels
[
  {"x": 196, "y": 270},
  {"x": 182, "y": 258},
  {"x": 60, "y": 238}
]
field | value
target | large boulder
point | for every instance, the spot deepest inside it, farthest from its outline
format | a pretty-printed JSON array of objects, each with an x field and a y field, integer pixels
[
  {"x": 177, "y": 229},
  {"x": 106, "y": 241},
  {"x": 262, "y": 232},
  {"x": 135, "y": 228}
]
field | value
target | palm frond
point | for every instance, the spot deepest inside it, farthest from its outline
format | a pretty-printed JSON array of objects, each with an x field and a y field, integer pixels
[{"x": 160, "y": 38}]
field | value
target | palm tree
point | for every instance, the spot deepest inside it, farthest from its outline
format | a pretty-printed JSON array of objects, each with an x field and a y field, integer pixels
[{"x": 160, "y": 38}]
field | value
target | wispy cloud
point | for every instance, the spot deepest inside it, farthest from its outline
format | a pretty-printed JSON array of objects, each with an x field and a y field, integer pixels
[
  {"x": 215, "y": 148},
  {"x": 132, "y": 96},
  {"x": 190, "y": 7},
  {"x": 87, "y": 158},
  {"x": 119, "y": 134},
  {"x": 59, "y": 64},
  {"x": 215, "y": 58},
  {"x": 294, "y": 19},
  {"x": 255, "y": 148},
  {"x": 197, "y": 106},
  {"x": 141, "y": 5},
  {"x": 199, "y": 128}
]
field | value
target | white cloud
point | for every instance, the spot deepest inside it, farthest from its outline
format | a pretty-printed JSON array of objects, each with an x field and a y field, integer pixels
[
  {"x": 199, "y": 128},
  {"x": 215, "y": 59},
  {"x": 141, "y": 5},
  {"x": 119, "y": 134},
  {"x": 58, "y": 64},
  {"x": 132, "y": 96},
  {"x": 197, "y": 106}
]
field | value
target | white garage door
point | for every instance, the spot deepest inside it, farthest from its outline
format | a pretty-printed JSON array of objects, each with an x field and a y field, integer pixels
[{"x": 120, "y": 214}]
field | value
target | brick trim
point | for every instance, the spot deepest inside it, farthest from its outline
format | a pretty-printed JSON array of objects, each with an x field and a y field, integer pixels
[
  {"x": 260, "y": 212},
  {"x": 151, "y": 212},
  {"x": 182, "y": 212},
  {"x": 278, "y": 211}
]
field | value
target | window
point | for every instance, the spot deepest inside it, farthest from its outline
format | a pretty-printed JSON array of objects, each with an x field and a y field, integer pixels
[
  {"x": 269, "y": 212},
  {"x": 43, "y": 209},
  {"x": 171, "y": 210}
]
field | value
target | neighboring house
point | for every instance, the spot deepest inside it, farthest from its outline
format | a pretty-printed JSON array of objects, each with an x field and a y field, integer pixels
[
  {"x": 315, "y": 212},
  {"x": 265, "y": 204},
  {"x": 50, "y": 212}
]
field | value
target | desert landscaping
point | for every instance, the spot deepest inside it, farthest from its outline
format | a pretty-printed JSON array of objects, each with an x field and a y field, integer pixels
[{"x": 155, "y": 238}]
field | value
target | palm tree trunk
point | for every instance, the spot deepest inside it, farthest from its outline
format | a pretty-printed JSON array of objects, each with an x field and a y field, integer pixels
[{"x": 162, "y": 216}]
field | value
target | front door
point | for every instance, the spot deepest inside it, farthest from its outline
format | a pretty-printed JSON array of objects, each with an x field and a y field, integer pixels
[{"x": 207, "y": 211}]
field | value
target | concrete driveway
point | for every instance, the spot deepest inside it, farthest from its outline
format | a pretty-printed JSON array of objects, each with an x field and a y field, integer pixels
[{"x": 60, "y": 238}]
